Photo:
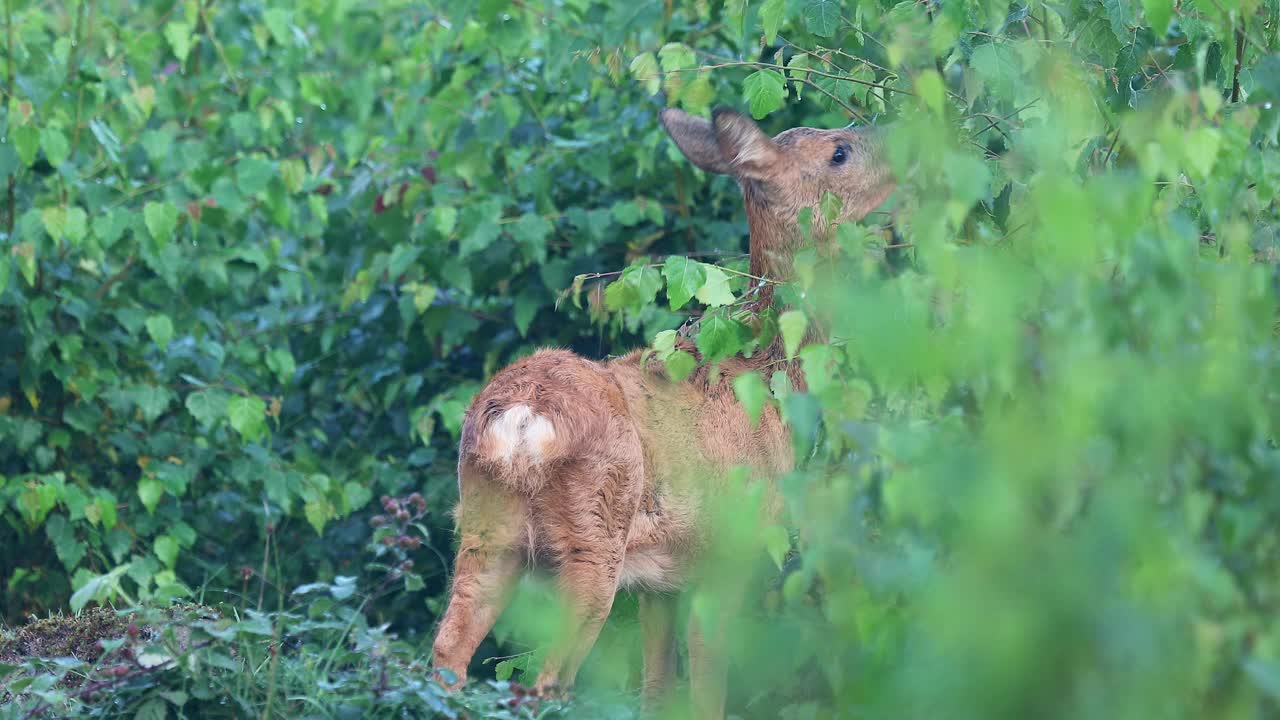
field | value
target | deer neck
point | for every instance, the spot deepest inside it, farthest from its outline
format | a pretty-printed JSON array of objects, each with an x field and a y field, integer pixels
[{"x": 774, "y": 240}]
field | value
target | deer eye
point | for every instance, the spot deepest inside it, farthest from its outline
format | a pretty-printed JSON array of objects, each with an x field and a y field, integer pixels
[{"x": 839, "y": 156}]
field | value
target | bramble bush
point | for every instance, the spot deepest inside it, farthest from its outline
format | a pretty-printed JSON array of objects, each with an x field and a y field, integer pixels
[{"x": 258, "y": 256}]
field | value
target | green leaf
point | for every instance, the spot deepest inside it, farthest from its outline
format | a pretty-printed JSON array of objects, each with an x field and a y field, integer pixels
[
  {"x": 77, "y": 225},
  {"x": 180, "y": 39},
  {"x": 248, "y": 416},
  {"x": 97, "y": 587},
  {"x": 151, "y": 400},
  {"x": 109, "y": 225},
  {"x": 166, "y": 548},
  {"x": 1159, "y": 12},
  {"x": 777, "y": 543},
  {"x": 792, "y": 324},
  {"x": 765, "y": 91},
  {"x": 161, "y": 219},
  {"x": 1201, "y": 148},
  {"x": 207, "y": 406},
  {"x": 150, "y": 491},
  {"x": 772, "y": 13},
  {"x": 153, "y": 709},
  {"x": 318, "y": 512},
  {"x": 280, "y": 361},
  {"x": 160, "y": 328},
  {"x": 253, "y": 175},
  {"x": 676, "y": 56},
  {"x": 27, "y": 140},
  {"x": 644, "y": 68},
  {"x": 698, "y": 95},
  {"x": 293, "y": 173},
  {"x": 664, "y": 343},
  {"x": 715, "y": 290},
  {"x": 751, "y": 392},
  {"x": 680, "y": 364},
  {"x": 55, "y": 221},
  {"x": 278, "y": 22},
  {"x": 720, "y": 336},
  {"x": 684, "y": 278},
  {"x": 1121, "y": 15},
  {"x": 929, "y": 87},
  {"x": 822, "y": 17},
  {"x": 443, "y": 219},
  {"x": 54, "y": 143},
  {"x": 637, "y": 287}
]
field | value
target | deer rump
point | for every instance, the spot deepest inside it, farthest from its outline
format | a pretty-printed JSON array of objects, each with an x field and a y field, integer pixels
[{"x": 600, "y": 449}]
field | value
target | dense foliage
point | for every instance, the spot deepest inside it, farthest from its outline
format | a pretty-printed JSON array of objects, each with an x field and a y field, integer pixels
[{"x": 255, "y": 258}]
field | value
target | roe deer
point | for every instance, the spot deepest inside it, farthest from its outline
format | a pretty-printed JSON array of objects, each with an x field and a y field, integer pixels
[{"x": 602, "y": 471}]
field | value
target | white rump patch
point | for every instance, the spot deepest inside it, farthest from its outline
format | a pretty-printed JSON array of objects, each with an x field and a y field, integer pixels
[{"x": 519, "y": 431}]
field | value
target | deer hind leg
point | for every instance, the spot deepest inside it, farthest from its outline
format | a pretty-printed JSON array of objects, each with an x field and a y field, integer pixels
[
  {"x": 657, "y": 626},
  {"x": 492, "y": 522},
  {"x": 591, "y": 548},
  {"x": 708, "y": 667}
]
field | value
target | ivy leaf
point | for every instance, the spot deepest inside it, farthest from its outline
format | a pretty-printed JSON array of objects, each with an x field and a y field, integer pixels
[
  {"x": 751, "y": 392},
  {"x": 822, "y": 17},
  {"x": 765, "y": 90},
  {"x": 684, "y": 277},
  {"x": 792, "y": 324},
  {"x": 720, "y": 336},
  {"x": 248, "y": 416},
  {"x": 715, "y": 290}
]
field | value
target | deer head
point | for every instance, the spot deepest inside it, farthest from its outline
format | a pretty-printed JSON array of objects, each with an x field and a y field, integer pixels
[{"x": 782, "y": 175}]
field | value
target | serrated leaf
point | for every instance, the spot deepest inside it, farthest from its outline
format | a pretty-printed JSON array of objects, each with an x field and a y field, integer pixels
[
  {"x": 1121, "y": 16},
  {"x": 150, "y": 491},
  {"x": 207, "y": 406},
  {"x": 929, "y": 87},
  {"x": 777, "y": 543},
  {"x": 253, "y": 175},
  {"x": 684, "y": 278},
  {"x": 765, "y": 91},
  {"x": 280, "y": 361},
  {"x": 751, "y": 392},
  {"x": 676, "y": 56},
  {"x": 664, "y": 343},
  {"x": 792, "y": 324},
  {"x": 54, "y": 143},
  {"x": 772, "y": 13},
  {"x": 443, "y": 219},
  {"x": 180, "y": 39},
  {"x": 644, "y": 69},
  {"x": 1201, "y": 149},
  {"x": 720, "y": 336},
  {"x": 54, "y": 219},
  {"x": 680, "y": 364},
  {"x": 715, "y": 289},
  {"x": 166, "y": 548},
  {"x": 248, "y": 416},
  {"x": 698, "y": 95},
  {"x": 293, "y": 173},
  {"x": 27, "y": 140},
  {"x": 161, "y": 219},
  {"x": 822, "y": 17},
  {"x": 160, "y": 328},
  {"x": 636, "y": 288}
]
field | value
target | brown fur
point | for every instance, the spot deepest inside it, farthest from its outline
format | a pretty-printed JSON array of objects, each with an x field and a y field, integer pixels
[{"x": 602, "y": 471}]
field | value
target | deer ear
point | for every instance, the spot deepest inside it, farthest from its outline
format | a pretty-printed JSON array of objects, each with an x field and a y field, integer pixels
[
  {"x": 696, "y": 138},
  {"x": 749, "y": 152}
]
